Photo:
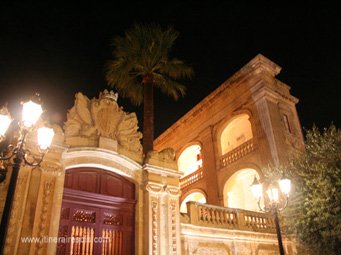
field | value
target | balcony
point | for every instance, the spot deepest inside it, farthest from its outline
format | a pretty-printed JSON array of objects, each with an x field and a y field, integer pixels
[
  {"x": 208, "y": 229},
  {"x": 191, "y": 178},
  {"x": 237, "y": 153},
  {"x": 228, "y": 218}
]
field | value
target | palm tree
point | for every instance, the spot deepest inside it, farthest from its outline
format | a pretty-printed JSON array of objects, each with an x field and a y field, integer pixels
[{"x": 142, "y": 62}]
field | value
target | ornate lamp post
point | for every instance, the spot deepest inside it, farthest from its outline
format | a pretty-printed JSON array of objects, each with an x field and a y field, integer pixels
[
  {"x": 274, "y": 205},
  {"x": 19, "y": 154}
]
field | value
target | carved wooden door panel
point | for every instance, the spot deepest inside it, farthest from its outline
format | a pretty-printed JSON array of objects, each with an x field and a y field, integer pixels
[{"x": 97, "y": 215}]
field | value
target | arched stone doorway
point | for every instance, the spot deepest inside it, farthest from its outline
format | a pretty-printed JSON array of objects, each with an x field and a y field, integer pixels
[{"x": 98, "y": 213}]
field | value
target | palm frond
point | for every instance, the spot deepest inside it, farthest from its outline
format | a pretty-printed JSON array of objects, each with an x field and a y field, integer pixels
[
  {"x": 145, "y": 50},
  {"x": 131, "y": 89},
  {"x": 176, "y": 69},
  {"x": 170, "y": 87}
]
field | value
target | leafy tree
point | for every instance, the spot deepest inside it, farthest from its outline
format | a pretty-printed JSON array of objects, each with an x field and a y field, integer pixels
[
  {"x": 142, "y": 62},
  {"x": 314, "y": 212}
]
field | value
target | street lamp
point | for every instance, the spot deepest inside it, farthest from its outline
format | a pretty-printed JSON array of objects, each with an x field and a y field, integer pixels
[
  {"x": 19, "y": 154},
  {"x": 274, "y": 204}
]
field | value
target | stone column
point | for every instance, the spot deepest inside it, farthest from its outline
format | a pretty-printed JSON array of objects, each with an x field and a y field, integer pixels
[{"x": 162, "y": 223}]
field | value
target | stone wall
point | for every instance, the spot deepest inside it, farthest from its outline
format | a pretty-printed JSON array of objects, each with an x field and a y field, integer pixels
[
  {"x": 207, "y": 229},
  {"x": 197, "y": 240}
]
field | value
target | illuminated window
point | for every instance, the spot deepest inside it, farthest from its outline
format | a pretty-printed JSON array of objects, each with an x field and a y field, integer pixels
[
  {"x": 237, "y": 132},
  {"x": 190, "y": 160}
]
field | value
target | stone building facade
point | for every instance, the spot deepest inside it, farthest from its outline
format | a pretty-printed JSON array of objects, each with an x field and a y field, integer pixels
[
  {"x": 249, "y": 122},
  {"x": 96, "y": 193}
]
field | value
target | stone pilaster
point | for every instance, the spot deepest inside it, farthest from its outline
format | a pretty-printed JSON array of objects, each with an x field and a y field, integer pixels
[
  {"x": 209, "y": 165},
  {"x": 262, "y": 100},
  {"x": 162, "y": 226},
  {"x": 47, "y": 214}
]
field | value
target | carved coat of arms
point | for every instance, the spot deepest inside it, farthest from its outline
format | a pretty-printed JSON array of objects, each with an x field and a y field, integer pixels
[{"x": 103, "y": 117}]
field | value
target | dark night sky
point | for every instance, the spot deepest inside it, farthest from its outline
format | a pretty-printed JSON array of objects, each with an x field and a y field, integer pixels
[{"x": 59, "y": 49}]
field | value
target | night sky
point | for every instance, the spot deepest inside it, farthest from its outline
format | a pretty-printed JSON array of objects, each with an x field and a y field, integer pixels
[{"x": 59, "y": 49}]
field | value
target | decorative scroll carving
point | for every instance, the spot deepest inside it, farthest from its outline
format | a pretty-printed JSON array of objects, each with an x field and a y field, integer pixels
[
  {"x": 47, "y": 191},
  {"x": 173, "y": 191},
  {"x": 48, "y": 168},
  {"x": 155, "y": 229},
  {"x": 103, "y": 117},
  {"x": 173, "y": 228},
  {"x": 154, "y": 188},
  {"x": 112, "y": 219},
  {"x": 82, "y": 215}
]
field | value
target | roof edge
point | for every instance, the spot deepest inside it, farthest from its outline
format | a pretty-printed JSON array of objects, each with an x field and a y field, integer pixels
[{"x": 258, "y": 63}]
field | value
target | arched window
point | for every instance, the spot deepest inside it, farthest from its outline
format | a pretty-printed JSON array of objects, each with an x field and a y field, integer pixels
[
  {"x": 237, "y": 190},
  {"x": 190, "y": 159},
  {"x": 237, "y": 132},
  {"x": 196, "y": 197}
]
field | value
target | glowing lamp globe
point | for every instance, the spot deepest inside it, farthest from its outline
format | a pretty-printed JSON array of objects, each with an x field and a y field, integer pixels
[
  {"x": 45, "y": 136},
  {"x": 273, "y": 195},
  {"x": 31, "y": 113},
  {"x": 5, "y": 121},
  {"x": 285, "y": 186},
  {"x": 257, "y": 188}
]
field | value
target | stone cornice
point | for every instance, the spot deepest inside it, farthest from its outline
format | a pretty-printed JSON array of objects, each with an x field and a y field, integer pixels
[
  {"x": 162, "y": 171},
  {"x": 262, "y": 89},
  {"x": 259, "y": 64}
]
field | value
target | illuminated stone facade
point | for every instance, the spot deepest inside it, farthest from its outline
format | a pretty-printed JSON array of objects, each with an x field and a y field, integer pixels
[
  {"x": 99, "y": 135},
  {"x": 249, "y": 122}
]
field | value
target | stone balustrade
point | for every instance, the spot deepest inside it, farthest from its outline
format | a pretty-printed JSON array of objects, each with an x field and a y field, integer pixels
[
  {"x": 191, "y": 178},
  {"x": 221, "y": 217},
  {"x": 237, "y": 153}
]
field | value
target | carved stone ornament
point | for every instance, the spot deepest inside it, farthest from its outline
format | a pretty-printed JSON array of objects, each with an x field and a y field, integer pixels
[
  {"x": 173, "y": 191},
  {"x": 166, "y": 158},
  {"x": 102, "y": 117},
  {"x": 154, "y": 188}
]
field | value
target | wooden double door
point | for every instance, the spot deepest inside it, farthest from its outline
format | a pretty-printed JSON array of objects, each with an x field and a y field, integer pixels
[{"x": 97, "y": 215}]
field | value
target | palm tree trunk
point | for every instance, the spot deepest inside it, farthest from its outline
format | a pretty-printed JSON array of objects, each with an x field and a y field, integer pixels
[{"x": 148, "y": 116}]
